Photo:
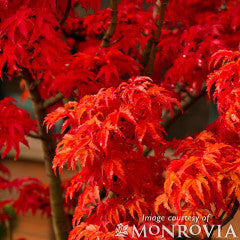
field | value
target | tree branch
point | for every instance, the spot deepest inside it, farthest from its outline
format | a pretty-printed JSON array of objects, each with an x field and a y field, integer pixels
[
  {"x": 177, "y": 112},
  {"x": 52, "y": 100},
  {"x": 60, "y": 225},
  {"x": 9, "y": 229},
  {"x": 31, "y": 135},
  {"x": 230, "y": 215},
  {"x": 160, "y": 8},
  {"x": 108, "y": 35},
  {"x": 146, "y": 53},
  {"x": 227, "y": 219},
  {"x": 67, "y": 10}
]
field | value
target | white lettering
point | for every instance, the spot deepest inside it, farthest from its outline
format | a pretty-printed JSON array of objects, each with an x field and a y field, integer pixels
[
  {"x": 182, "y": 231},
  {"x": 208, "y": 233},
  {"x": 230, "y": 231},
  {"x": 165, "y": 229},
  {"x": 219, "y": 231},
  {"x": 157, "y": 230},
  {"x": 139, "y": 234}
]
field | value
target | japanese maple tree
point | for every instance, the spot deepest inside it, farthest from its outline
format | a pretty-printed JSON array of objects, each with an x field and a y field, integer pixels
[{"x": 117, "y": 78}]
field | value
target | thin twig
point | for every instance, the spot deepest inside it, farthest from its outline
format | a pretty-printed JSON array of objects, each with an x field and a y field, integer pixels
[
  {"x": 230, "y": 215},
  {"x": 227, "y": 219},
  {"x": 146, "y": 53},
  {"x": 116, "y": 41},
  {"x": 67, "y": 10},
  {"x": 177, "y": 112},
  {"x": 52, "y": 100},
  {"x": 224, "y": 212},
  {"x": 9, "y": 230},
  {"x": 161, "y": 7},
  {"x": 108, "y": 35},
  {"x": 31, "y": 135}
]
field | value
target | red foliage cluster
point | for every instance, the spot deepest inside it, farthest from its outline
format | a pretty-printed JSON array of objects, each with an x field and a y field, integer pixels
[
  {"x": 225, "y": 84},
  {"x": 14, "y": 125},
  {"x": 31, "y": 39},
  {"x": 113, "y": 121},
  {"x": 186, "y": 49},
  {"x": 31, "y": 195},
  {"x": 106, "y": 138},
  {"x": 204, "y": 180}
]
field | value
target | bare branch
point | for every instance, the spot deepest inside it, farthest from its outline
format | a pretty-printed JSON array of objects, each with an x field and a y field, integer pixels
[
  {"x": 108, "y": 35},
  {"x": 227, "y": 219},
  {"x": 52, "y": 100},
  {"x": 230, "y": 215},
  {"x": 60, "y": 225},
  {"x": 160, "y": 8},
  {"x": 31, "y": 135},
  {"x": 121, "y": 37},
  {"x": 146, "y": 53},
  {"x": 177, "y": 112},
  {"x": 67, "y": 10}
]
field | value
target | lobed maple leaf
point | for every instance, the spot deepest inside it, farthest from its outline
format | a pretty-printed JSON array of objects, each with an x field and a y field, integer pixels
[
  {"x": 33, "y": 196},
  {"x": 100, "y": 133},
  {"x": 110, "y": 114},
  {"x": 112, "y": 122},
  {"x": 202, "y": 177},
  {"x": 30, "y": 194},
  {"x": 225, "y": 84},
  {"x": 14, "y": 124}
]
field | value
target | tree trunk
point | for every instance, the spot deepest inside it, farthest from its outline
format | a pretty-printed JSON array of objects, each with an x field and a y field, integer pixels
[{"x": 60, "y": 224}]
